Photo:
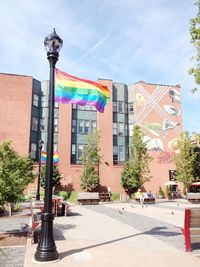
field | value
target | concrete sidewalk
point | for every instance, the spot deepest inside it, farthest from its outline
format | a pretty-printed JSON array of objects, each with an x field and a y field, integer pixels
[{"x": 90, "y": 238}]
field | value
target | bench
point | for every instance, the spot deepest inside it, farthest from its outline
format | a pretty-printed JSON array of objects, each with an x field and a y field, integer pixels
[
  {"x": 191, "y": 228},
  {"x": 147, "y": 200},
  {"x": 88, "y": 198},
  {"x": 104, "y": 197},
  {"x": 193, "y": 197}
]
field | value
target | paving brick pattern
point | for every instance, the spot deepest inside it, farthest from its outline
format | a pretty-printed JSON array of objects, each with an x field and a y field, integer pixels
[
  {"x": 14, "y": 256},
  {"x": 146, "y": 225}
]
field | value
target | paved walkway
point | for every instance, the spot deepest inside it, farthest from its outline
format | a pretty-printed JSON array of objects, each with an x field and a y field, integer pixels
[
  {"x": 120, "y": 234},
  {"x": 13, "y": 256}
]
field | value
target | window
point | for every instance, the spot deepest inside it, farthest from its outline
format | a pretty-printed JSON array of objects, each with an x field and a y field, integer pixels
[
  {"x": 93, "y": 125},
  {"x": 34, "y": 126},
  {"x": 114, "y": 106},
  {"x": 55, "y": 147},
  {"x": 41, "y": 124},
  {"x": 115, "y": 154},
  {"x": 126, "y": 108},
  {"x": 120, "y": 107},
  {"x": 121, "y": 128},
  {"x": 74, "y": 126},
  {"x": 130, "y": 129},
  {"x": 114, "y": 128},
  {"x": 87, "y": 107},
  {"x": 56, "y": 124},
  {"x": 126, "y": 129},
  {"x": 80, "y": 107},
  {"x": 80, "y": 126},
  {"x": 43, "y": 102},
  {"x": 73, "y": 153},
  {"x": 33, "y": 150},
  {"x": 80, "y": 151},
  {"x": 35, "y": 100},
  {"x": 93, "y": 108},
  {"x": 56, "y": 104},
  {"x": 87, "y": 125},
  {"x": 131, "y": 108},
  {"x": 121, "y": 154}
]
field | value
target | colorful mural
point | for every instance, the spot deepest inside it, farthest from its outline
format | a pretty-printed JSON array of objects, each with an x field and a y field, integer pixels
[{"x": 159, "y": 114}]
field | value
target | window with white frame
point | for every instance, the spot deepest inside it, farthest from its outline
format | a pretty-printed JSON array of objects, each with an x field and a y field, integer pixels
[
  {"x": 121, "y": 128},
  {"x": 80, "y": 151},
  {"x": 35, "y": 100},
  {"x": 73, "y": 153},
  {"x": 131, "y": 107},
  {"x": 114, "y": 128},
  {"x": 56, "y": 124},
  {"x": 120, "y": 107},
  {"x": 115, "y": 154},
  {"x": 87, "y": 126},
  {"x": 114, "y": 106},
  {"x": 74, "y": 126},
  {"x": 121, "y": 154},
  {"x": 34, "y": 126},
  {"x": 33, "y": 150},
  {"x": 126, "y": 129},
  {"x": 81, "y": 126},
  {"x": 93, "y": 125}
]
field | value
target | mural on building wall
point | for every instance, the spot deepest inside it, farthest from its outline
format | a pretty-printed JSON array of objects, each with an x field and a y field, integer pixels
[{"x": 158, "y": 113}]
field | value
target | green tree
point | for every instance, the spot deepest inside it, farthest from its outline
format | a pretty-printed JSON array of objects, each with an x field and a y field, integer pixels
[
  {"x": 15, "y": 174},
  {"x": 195, "y": 40},
  {"x": 55, "y": 178},
  {"x": 91, "y": 160},
  {"x": 136, "y": 170},
  {"x": 186, "y": 161}
]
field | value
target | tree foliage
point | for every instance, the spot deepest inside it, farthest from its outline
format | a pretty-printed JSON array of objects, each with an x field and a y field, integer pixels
[
  {"x": 55, "y": 178},
  {"x": 136, "y": 170},
  {"x": 15, "y": 173},
  {"x": 186, "y": 161},
  {"x": 195, "y": 40},
  {"x": 91, "y": 160}
]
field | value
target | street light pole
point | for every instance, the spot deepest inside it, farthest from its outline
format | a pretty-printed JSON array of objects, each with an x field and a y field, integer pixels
[
  {"x": 39, "y": 169},
  {"x": 46, "y": 249}
]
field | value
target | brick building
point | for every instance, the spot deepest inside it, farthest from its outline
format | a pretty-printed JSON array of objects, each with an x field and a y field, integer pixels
[{"x": 156, "y": 108}]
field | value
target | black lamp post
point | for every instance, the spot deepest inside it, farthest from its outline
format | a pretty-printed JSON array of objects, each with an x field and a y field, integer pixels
[
  {"x": 40, "y": 144},
  {"x": 46, "y": 249}
]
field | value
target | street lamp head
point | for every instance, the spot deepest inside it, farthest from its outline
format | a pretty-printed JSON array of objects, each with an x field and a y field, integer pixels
[{"x": 53, "y": 43}]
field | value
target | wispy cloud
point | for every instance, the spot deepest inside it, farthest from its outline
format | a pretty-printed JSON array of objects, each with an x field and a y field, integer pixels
[{"x": 125, "y": 41}]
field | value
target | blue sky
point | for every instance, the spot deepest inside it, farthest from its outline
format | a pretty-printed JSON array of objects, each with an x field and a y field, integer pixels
[{"x": 126, "y": 41}]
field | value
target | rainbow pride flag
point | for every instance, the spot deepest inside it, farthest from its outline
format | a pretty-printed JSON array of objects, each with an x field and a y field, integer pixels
[
  {"x": 55, "y": 157},
  {"x": 70, "y": 89}
]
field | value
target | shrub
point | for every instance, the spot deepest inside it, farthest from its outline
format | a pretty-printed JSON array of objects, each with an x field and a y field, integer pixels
[
  {"x": 73, "y": 197},
  {"x": 115, "y": 196},
  {"x": 65, "y": 194}
]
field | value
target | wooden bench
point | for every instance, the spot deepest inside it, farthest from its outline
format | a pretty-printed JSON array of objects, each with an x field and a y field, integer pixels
[
  {"x": 88, "y": 198},
  {"x": 147, "y": 200},
  {"x": 191, "y": 228},
  {"x": 104, "y": 197},
  {"x": 193, "y": 197}
]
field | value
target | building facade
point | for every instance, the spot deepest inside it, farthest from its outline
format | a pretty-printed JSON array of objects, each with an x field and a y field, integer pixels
[{"x": 156, "y": 108}]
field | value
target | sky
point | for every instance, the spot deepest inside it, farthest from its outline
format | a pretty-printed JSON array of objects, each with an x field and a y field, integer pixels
[{"x": 125, "y": 41}]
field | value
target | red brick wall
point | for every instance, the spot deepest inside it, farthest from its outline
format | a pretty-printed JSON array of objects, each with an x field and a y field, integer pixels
[{"x": 15, "y": 110}]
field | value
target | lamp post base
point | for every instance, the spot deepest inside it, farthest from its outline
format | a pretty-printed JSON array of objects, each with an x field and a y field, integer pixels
[
  {"x": 46, "y": 256},
  {"x": 46, "y": 250}
]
